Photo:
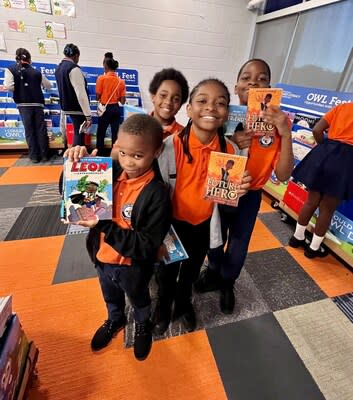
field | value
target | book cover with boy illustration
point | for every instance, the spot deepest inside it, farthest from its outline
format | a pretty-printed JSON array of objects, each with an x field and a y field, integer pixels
[
  {"x": 175, "y": 248},
  {"x": 87, "y": 189},
  {"x": 236, "y": 116},
  {"x": 260, "y": 99},
  {"x": 224, "y": 174}
]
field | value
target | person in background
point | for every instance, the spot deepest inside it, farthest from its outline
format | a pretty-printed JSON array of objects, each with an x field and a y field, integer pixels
[
  {"x": 125, "y": 249},
  {"x": 26, "y": 84},
  {"x": 110, "y": 91},
  {"x": 327, "y": 173},
  {"x": 73, "y": 93},
  {"x": 276, "y": 154},
  {"x": 169, "y": 91}
]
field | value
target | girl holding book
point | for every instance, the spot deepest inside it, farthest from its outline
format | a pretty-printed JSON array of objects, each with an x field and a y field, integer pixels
[
  {"x": 264, "y": 157},
  {"x": 326, "y": 172},
  {"x": 188, "y": 153}
]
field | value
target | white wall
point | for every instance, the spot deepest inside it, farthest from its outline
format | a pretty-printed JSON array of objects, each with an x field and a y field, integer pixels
[{"x": 202, "y": 38}]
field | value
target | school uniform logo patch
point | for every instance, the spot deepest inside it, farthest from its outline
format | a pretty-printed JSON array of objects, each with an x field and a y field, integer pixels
[
  {"x": 126, "y": 211},
  {"x": 266, "y": 141}
]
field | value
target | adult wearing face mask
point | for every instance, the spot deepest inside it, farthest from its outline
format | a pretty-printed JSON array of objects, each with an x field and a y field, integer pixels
[
  {"x": 26, "y": 84},
  {"x": 73, "y": 93}
]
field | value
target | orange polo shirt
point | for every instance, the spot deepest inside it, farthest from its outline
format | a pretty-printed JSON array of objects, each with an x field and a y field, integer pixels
[
  {"x": 340, "y": 119},
  {"x": 105, "y": 86},
  {"x": 188, "y": 199},
  {"x": 125, "y": 194},
  {"x": 262, "y": 159},
  {"x": 171, "y": 129}
]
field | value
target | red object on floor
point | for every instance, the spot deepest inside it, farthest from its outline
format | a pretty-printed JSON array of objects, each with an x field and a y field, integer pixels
[
  {"x": 70, "y": 135},
  {"x": 295, "y": 196}
]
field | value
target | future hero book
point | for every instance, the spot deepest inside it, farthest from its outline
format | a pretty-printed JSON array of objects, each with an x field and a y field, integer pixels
[
  {"x": 87, "y": 189},
  {"x": 260, "y": 99},
  {"x": 224, "y": 174}
]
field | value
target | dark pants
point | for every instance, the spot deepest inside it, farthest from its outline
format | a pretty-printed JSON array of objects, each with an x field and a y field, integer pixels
[
  {"x": 110, "y": 117},
  {"x": 118, "y": 280},
  {"x": 77, "y": 121},
  {"x": 175, "y": 280},
  {"x": 35, "y": 131},
  {"x": 237, "y": 226}
]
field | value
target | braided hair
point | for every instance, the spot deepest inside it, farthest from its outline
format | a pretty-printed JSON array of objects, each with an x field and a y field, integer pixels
[
  {"x": 185, "y": 133},
  {"x": 110, "y": 62}
]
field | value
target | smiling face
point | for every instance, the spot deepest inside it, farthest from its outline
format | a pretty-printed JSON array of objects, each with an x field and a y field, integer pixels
[
  {"x": 208, "y": 108},
  {"x": 166, "y": 101},
  {"x": 253, "y": 75},
  {"x": 135, "y": 153}
]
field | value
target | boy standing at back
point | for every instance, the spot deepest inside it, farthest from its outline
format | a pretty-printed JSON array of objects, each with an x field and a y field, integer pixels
[{"x": 124, "y": 250}]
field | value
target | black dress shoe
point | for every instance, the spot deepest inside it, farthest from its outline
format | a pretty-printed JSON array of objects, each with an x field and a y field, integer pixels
[
  {"x": 106, "y": 332},
  {"x": 208, "y": 281},
  {"x": 320, "y": 252},
  {"x": 161, "y": 317},
  {"x": 294, "y": 242},
  {"x": 227, "y": 298}
]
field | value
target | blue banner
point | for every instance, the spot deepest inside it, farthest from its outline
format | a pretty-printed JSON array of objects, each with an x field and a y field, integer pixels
[{"x": 319, "y": 100}]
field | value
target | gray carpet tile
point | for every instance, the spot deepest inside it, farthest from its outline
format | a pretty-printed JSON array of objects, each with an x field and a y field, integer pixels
[
  {"x": 8, "y": 217},
  {"x": 249, "y": 304},
  {"x": 35, "y": 222},
  {"x": 14, "y": 196},
  {"x": 345, "y": 304},
  {"x": 323, "y": 337},
  {"x": 45, "y": 194},
  {"x": 281, "y": 280},
  {"x": 74, "y": 263},
  {"x": 281, "y": 230},
  {"x": 2, "y": 170},
  {"x": 25, "y": 161},
  {"x": 256, "y": 361}
]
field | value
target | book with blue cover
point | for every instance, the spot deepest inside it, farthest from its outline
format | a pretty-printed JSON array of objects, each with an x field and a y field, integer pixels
[
  {"x": 236, "y": 116},
  {"x": 87, "y": 189},
  {"x": 175, "y": 248}
]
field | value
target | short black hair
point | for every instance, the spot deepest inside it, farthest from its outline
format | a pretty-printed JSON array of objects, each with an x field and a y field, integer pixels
[
  {"x": 23, "y": 55},
  {"x": 255, "y": 60},
  {"x": 71, "y": 50},
  {"x": 170, "y": 74},
  {"x": 144, "y": 125}
]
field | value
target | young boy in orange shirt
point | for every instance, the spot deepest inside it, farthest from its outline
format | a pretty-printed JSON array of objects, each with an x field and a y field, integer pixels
[
  {"x": 169, "y": 91},
  {"x": 125, "y": 249}
]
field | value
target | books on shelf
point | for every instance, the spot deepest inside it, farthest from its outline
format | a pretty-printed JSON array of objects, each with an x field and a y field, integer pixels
[
  {"x": 224, "y": 174},
  {"x": 5, "y": 312},
  {"x": 87, "y": 189},
  {"x": 260, "y": 99},
  {"x": 236, "y": 119},
  {"x": 175, "y": 248}
]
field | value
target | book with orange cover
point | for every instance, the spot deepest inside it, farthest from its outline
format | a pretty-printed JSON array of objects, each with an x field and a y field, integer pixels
[
  {"x": 224, "y": 174},
  {"x": 260, "y": 99}
]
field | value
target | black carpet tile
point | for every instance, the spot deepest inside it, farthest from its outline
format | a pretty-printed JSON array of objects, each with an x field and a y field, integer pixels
[
  {"x": 345, "y": 304},
  {"x": 2, "y": 170},
  {"x": 25, "y": 161},
  {"x": 14, "y": 196},
  {"x": 281, "y": 230},
  {"x": 74, "y": 262},
  {"x": 256, "y": 361},
  {"x": 281, "y": 280},
  {"x": 35, "y": 222}
]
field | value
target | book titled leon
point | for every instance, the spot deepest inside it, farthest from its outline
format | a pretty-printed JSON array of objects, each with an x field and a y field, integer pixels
[
  {"x": 87, "y": 189},
  {"x": 224, "y": 174},
  {"x": 260, "y": 99}
]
